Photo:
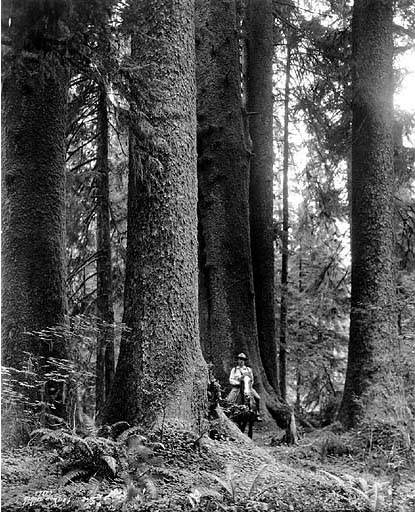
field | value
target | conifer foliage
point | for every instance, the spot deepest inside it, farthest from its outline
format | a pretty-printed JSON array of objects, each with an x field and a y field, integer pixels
[{"x": 181, "y": 182}]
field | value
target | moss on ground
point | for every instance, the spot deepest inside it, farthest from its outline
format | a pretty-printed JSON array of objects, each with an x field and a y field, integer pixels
[{"x": 187, "y": 473}]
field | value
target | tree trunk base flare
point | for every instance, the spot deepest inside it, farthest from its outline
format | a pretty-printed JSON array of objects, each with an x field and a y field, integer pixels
[
  {"x": 224, "y": 428},
  {"x": 184, "y": 401},
  {"x": 283, "y": 415}
]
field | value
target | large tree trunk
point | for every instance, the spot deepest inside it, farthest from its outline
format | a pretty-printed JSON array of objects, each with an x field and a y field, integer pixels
[
  {"x": 228, "y": 311},
  {"x": 160, "y": 371},
  {"x": 105, "y": 313},
  {"x": 34, "y": 99},
  {"x": 284, "y": 235},
  {"x": 260, "y": 23},
  {"x": 373, "y": 385},
  {"x": 223, "y": 167}
]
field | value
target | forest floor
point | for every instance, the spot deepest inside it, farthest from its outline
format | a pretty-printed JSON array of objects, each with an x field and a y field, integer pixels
[{"x": 175, "y": 470}]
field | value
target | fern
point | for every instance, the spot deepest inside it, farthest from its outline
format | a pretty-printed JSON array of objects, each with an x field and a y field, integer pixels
[
  {"x": 116, "y": 429},
  {"x": 101, "y": 444},
  {"x": 227, "y": 483},
  {"x": 83, "y": 456},
  {"x": 93, "y": 485},
  {"x": 374, "y": 496},
  {"x": 255, "y": 480},
  {"x": 74, "y": 474},
  {"x": 148, "y": 486},
  {"x": 111, "y": 463},
  {"x": 122, "y": 438},
  {"x": 140, "y": 454},
  {"x": 158, "y": 445},
  {"x": 201, "y": 492},
  {"x": 57, "y": 437}
]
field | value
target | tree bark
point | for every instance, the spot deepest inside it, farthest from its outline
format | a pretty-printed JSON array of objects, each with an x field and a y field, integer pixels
[
  {"x": 260, "y": 23},
  {"x": 160, "y": 371},
  {"x": 373, "y": 387},
  {"x": 105, "y": 313},
  {"x": 223, "y": 174},
  {"x": 284, "y": 235},
  {"x": 227, "y": 304},
  {"x": 34, "y": 99}
]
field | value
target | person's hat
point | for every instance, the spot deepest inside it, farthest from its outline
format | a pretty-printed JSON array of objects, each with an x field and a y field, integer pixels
[{"x": 241, "y": 356}]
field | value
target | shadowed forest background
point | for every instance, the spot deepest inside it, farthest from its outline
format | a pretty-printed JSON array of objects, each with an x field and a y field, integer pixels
[{"x": 183, "y": 181}]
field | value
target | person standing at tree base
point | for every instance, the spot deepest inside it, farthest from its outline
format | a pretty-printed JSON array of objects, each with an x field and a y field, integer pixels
[{"x": 235, "y": 379}]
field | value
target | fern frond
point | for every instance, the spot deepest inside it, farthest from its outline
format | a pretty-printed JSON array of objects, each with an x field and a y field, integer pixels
[
  {"x": 93, "y": 485},
  {"x": 337, "y": 479},
  {"x": 58, "y": 422},
  {"x": 60, "y": 436},
  {"x": 74, "y": 474},
  {"x": 202, "y": 492},
  {"x": 135, "y": 441},
  {"x": 122, "y": 438},
  {"x": 83, "y": 444},
  {"x": 377, "y": 501},
  {"x": 111, "y": 463},
  {"x": 158, "y": 445},
  {"x": 255, "y": 480},
  {"x": 230, "y": 475},
  {"x": 363, "y": 485},
  {"x": 226, "y": 485},
  {"x": 42, "y": 435},
  {"x": 149, "y": 487},
  {"x": 140, "y": 453}
]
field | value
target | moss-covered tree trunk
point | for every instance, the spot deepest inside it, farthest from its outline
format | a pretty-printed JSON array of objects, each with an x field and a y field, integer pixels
[
  {"x": 105, "y": 313},
  {"x": 227, "y": 296},
  {"x": 223, "y": 174},
  {"x": 160, "y": 371},
  {"x": 259, "y": 24},
  {"x": 373, "y": 385},
  {"x": 34, "y": 96}
]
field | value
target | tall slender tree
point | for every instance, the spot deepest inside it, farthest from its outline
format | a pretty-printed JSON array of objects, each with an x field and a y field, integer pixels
[
  {"x": 259, "y": 104},
  {"x": 105, "y": 365},
  {"x": 160, "y": 370},
  {"x": 373, "y": 385},
  {"x": 105, "y": 312},
  {"x": 283, "y": 331},
  {"x": 34, "y": 98}
]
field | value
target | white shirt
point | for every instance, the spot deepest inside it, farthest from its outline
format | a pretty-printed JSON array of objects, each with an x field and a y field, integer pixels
[{"x": 238, "y": 372}]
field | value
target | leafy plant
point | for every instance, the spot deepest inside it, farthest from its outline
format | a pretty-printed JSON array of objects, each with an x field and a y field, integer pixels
[
  {"x": 335, "y": 445},
  {"x": 373, "y": 494},
  {"x": 198, "y": 493},
  {"x": 229, "y": 483},
  {"x": 81, "y": 458}
]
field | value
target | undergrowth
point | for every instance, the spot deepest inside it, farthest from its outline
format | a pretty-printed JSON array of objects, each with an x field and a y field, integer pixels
[{"x": 121, "y": 468}]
